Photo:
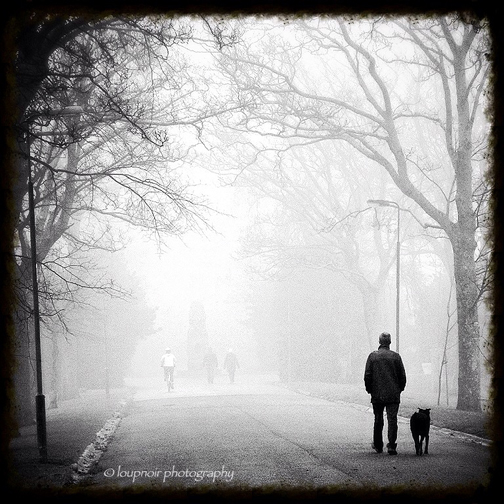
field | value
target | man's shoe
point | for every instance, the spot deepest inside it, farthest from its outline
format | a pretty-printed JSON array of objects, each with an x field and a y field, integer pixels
[
  {"x": 391, "y": 450},
  {"x": 377, "y": 450}
]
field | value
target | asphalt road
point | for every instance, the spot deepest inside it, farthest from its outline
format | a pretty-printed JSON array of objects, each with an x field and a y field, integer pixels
[{"x": 259, "y": 435}]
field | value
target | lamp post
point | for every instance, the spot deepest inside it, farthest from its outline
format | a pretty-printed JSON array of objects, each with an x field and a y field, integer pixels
[
  {"x": 387, "y": 203},
  {"x": 40, "y": 409}
]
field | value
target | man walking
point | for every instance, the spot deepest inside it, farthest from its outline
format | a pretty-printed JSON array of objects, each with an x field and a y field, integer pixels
[
  {"x": 210, "y": 363},
  {"x": 385, "y": 379},
  {"x": 230, "y": 364},
  {"x": 168, "y": 365}
]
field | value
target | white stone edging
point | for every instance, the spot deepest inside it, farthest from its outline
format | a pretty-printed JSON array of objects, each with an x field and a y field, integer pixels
[{"x": 93, "y": 452}]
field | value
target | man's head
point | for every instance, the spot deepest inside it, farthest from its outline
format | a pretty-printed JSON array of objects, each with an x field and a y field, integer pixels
[
  {"x": 167, "y": 350},
  {"x": 384, "y": 339}
]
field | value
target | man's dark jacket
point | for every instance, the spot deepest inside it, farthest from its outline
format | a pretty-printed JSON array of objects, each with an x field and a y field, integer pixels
[{"x": 384, "y": 377}]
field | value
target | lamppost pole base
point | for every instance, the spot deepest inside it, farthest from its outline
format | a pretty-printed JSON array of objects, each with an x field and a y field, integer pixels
[{"x": 41, "y": 427}]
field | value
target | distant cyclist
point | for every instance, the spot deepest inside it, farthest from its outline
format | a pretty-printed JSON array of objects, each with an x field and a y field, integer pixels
[{"x": 168, "y": 364}]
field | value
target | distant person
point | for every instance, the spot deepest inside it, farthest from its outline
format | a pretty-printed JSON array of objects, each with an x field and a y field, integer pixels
[
  {"x": 231, "y": 364},
  {"x": 168, "y": 365},
  {"x": 385, "y": 379},
  {"x": 210, "y": 363}
]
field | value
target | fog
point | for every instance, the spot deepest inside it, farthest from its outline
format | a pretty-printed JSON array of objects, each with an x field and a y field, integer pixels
[
  {"x": 304, "y": 197},
  {"x": 196, "y": 269},
  {"x": 306, "y": 324}
]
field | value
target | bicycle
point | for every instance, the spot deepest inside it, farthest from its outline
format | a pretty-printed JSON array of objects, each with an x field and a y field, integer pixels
[{"x": 169, "y": 377}]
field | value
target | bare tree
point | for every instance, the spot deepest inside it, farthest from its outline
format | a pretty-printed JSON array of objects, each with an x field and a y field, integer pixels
[
  {"x": 361, "y": 96},
  {"x": 96, "y": 99},
  {"x": 315, "y": 186}
]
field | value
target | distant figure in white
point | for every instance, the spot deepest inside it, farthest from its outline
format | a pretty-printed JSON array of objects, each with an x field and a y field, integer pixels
[
  {"x": 231, "y": 364},
  {"x": 168, "y": 364}
]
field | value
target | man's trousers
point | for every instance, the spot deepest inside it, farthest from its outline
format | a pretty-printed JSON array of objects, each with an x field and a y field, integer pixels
[{"x": 392, "y": 409}]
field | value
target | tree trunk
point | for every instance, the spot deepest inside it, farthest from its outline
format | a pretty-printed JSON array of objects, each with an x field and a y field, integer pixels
[
  {"x": 468, "y": 327},
  {"x": 24, "y": 377}
]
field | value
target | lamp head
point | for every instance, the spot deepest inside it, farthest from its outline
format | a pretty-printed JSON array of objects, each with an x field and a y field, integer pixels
[{"x": 380, "y": 202}]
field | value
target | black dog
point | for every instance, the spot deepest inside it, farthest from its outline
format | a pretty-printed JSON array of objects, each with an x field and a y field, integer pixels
[{"x": 420, "y": 425}]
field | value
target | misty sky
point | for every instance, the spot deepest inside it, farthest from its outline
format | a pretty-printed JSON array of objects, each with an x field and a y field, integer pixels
[{"x": 196, "y": 267}]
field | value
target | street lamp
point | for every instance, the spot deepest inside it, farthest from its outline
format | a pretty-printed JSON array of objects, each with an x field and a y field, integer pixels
[
  {"x": 387, "y": 203},
  {"x": 40, "y": 409},
  {"x": 39, "y": 398}
]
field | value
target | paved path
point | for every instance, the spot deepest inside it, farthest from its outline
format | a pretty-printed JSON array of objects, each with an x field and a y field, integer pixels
[{"x": 259, "y": 435}]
